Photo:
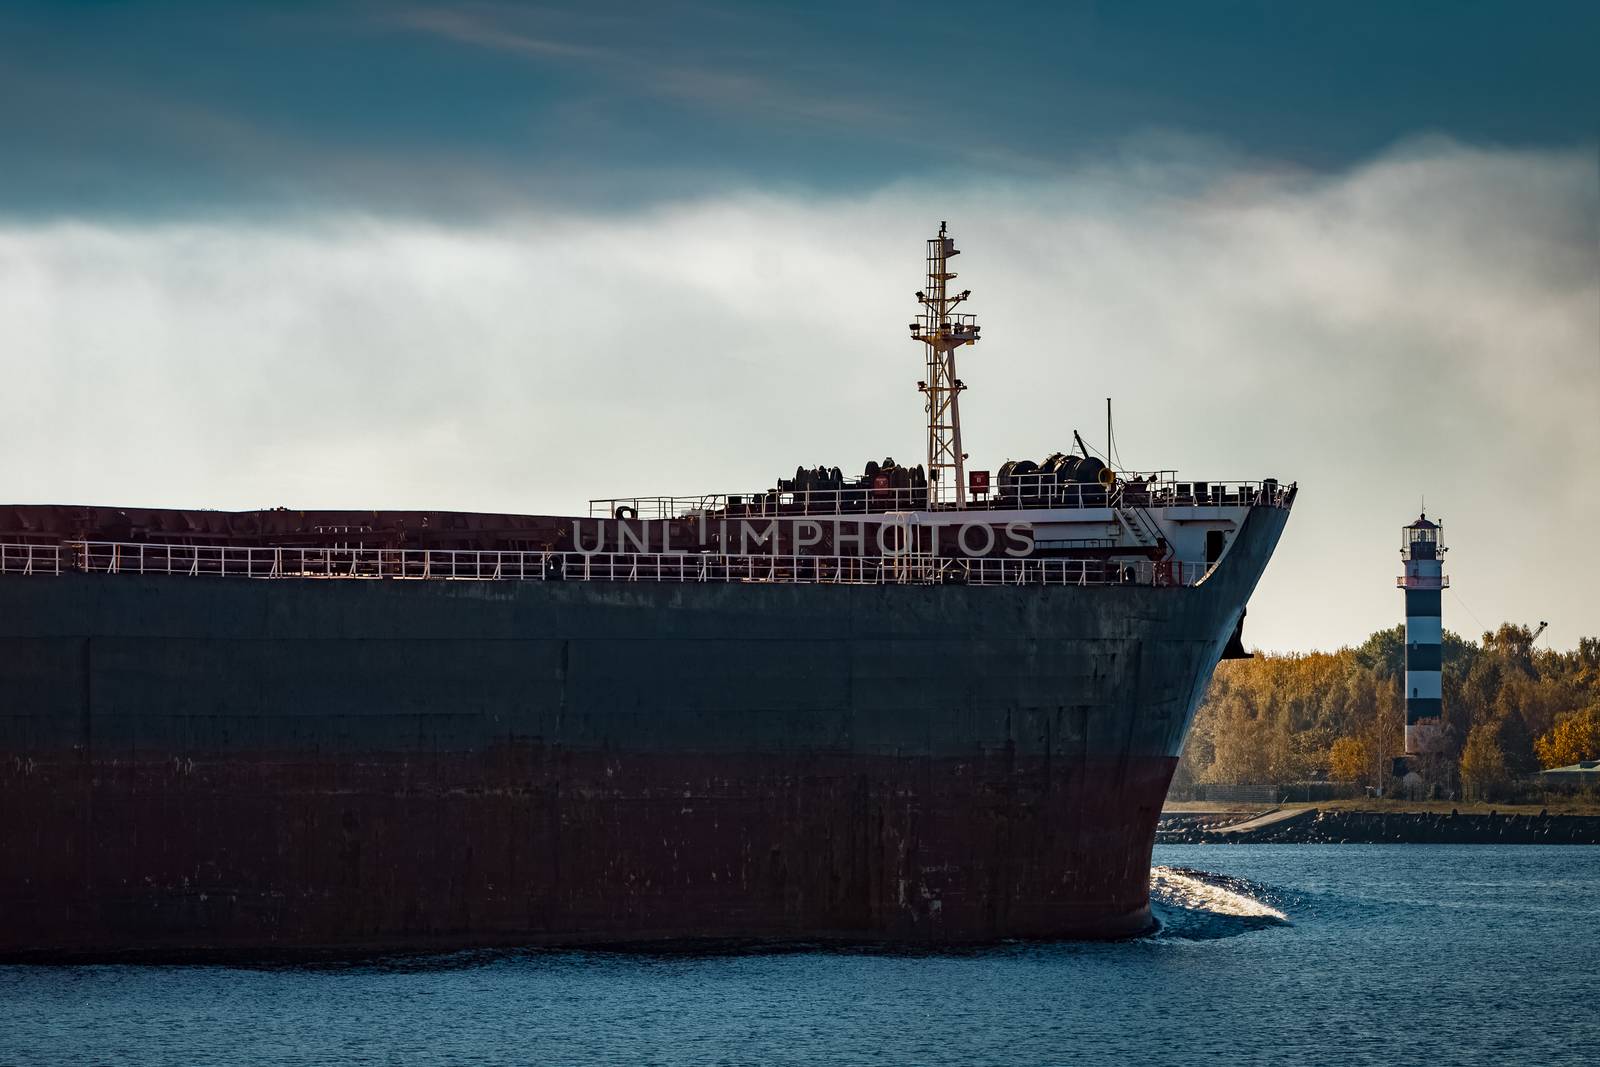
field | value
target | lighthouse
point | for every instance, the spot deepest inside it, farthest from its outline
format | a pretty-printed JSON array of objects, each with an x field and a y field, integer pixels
[{"x": 1422, "y": 551}]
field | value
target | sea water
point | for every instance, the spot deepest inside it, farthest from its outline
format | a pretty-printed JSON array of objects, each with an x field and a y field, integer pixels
[{"x": 1266, "y": 954}]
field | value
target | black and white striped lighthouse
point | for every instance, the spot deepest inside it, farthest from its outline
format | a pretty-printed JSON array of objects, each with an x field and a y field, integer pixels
[{"x": 1422, "y": 549}]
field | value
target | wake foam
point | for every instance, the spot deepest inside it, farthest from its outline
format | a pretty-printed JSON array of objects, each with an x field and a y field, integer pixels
[{"x": 1199, "y": 906}]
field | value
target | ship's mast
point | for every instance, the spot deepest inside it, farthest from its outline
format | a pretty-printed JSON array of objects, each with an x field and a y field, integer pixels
[{"x": 943, "y": 331}]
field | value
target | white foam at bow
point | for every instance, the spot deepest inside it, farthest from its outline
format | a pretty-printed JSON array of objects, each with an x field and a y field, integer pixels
[{"x": 1184, "y": 890}]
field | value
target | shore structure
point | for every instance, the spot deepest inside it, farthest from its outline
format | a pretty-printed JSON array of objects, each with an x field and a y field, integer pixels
[
  {"x": 1422, "y": 552},
  {"x": 1312, "y": 825}
]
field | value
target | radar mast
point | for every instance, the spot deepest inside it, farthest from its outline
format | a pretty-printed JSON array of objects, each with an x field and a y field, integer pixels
[{"x": 942, "y": 330}]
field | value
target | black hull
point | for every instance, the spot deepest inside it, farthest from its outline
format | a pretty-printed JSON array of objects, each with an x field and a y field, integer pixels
[{"x": 207, "y": 765}]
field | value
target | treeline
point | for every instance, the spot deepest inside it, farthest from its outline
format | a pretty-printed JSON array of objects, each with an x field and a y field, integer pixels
[{"x": 1510, "y": 708}]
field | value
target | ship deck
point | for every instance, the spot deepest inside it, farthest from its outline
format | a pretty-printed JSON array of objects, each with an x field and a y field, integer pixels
[{"x": 1155, "y": 489}]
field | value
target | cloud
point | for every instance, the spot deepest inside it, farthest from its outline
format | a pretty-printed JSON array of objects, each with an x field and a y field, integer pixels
[
  {"x": 730, "y": 78},
  {"x": 468, "y": 28},
  {"x": 1426, "y": 323}
]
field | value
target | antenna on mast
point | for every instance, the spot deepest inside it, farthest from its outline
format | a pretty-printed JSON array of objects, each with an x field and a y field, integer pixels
[{"x": 943, "y": 331}]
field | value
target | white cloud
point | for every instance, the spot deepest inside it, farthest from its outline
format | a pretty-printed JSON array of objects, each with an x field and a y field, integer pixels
[{"x": 1427, "y": 323}]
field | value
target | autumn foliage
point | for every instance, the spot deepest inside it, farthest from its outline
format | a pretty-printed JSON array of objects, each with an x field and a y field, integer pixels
[
  {"x": 1509, "y": 708},
  {"x": 1573, "y": 738}
]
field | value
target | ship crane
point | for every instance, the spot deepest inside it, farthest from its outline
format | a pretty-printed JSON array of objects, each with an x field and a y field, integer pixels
[{"x": 943, "y": 330}]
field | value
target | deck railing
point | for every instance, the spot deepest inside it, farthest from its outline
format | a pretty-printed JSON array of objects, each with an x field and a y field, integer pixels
[
  {"x": 1026, "y": 492},
  {"x": 113, "y": 557}
]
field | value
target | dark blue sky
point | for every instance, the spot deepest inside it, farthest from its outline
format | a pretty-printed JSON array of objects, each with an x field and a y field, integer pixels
[{"x": 171, "y": 108}]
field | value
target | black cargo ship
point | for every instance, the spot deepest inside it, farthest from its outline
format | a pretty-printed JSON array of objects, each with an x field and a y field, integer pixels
[{"x": 919, "y": 705}]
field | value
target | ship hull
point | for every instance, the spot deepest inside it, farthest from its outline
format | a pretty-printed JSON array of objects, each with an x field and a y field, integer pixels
[{"x": 202, "y": 766}]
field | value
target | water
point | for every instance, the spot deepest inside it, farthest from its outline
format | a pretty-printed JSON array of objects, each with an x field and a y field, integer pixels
[{"x": 1268, "y": 954}]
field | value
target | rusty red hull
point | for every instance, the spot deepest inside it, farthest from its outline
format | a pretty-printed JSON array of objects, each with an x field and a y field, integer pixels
[{"x": 533, "y": 846}]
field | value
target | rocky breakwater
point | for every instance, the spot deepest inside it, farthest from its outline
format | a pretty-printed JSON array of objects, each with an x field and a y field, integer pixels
[{"x": 1316, "y": 826}]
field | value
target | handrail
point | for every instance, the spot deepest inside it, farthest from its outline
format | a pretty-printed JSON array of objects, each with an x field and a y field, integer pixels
[
  {"x": 30, "y": 559},
  {"x": 227, "y": 561}
]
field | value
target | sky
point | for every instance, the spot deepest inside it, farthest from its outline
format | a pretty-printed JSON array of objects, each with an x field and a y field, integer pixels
[{"x": 511, "y": 257}]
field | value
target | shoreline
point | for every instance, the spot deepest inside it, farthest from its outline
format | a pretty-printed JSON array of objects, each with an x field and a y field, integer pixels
[{"x": 1433, "y": 823}]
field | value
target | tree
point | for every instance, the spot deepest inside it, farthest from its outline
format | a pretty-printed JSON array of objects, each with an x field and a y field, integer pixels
[
  {"x": 1588, "y": 660},
  {"x": 1573, "y": 738},
  {"x": 1244, "y": 744},
  {"x": 1459, "y": 653},
  {"x": 1516, "y": 743},
  {"x": 1278, "y": 718},
  {"x": 1384, "y": 652},
  {"x": 1514, "y": 643},
  {"x": 1483, "y": 764},
  {"x": 1350, "y": 760},
  {"x": 1479, "y": 688}
]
